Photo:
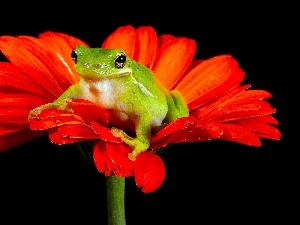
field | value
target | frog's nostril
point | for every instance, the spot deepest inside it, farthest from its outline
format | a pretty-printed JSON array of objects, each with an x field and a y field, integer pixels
[{"x": 97, "y": 66}]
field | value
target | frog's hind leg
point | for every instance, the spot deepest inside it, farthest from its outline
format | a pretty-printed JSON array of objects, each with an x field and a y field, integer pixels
[
  {"x": 177, "y": 106},
  {"x": 142, "y": 140}
]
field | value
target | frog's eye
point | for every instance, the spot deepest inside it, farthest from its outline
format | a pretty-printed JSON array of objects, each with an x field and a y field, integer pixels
[
  {"x": 74, "y": 56},
  {"x": 120, "y": 60}
]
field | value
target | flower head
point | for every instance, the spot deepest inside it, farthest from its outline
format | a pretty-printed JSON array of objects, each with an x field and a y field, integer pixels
[{"x": 219, "y": 106}]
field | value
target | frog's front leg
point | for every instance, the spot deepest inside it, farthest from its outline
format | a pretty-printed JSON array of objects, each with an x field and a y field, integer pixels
[
  {"x": 143, "y": 134},
  {"x": 52, "y": 105},
  {"x": 177, "y": 106},
  {"x": 60, "y": 103}
]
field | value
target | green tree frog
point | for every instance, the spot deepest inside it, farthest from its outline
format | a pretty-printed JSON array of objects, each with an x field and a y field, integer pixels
[{"x": 129, "y": 89}]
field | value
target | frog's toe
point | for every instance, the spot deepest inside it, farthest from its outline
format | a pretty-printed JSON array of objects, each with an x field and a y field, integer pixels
[
  {"x": 120, "y": 134},
  {"x": 139, "y": 147},
  {"x": 35, "y": 111},
  {"x": 132, "y": 156}
]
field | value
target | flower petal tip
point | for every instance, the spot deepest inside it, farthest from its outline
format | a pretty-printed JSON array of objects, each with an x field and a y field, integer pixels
[{"x": 149, "y": 171}]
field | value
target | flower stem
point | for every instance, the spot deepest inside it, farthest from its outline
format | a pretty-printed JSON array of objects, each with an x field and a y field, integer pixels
[{"x": 116, "y": 200}]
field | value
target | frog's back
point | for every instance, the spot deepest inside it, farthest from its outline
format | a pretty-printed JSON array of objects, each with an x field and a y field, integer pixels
[
  {"x": 148, "y": 94},
  {"x": 146, "y": 76}
]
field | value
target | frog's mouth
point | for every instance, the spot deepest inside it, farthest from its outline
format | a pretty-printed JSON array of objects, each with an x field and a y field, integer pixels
[
  {"x": 121, "y": 73},
  {"x": 116, "y": 74}
]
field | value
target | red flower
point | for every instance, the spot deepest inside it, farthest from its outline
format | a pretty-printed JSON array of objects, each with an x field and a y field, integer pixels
[{"x": 41, "y": 70}]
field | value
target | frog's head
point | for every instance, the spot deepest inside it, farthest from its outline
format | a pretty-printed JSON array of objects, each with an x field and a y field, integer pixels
[{"x": 97, "y": 63}]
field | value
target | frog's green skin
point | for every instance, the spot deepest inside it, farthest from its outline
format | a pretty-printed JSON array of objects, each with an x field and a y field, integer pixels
[{"x": 113, "y": 81}]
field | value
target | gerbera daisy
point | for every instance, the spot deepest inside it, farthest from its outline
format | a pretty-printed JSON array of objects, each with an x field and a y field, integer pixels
[{"x": 219, "y": 106}]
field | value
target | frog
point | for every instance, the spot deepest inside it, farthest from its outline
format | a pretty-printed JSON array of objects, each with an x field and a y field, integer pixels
[{"x": 114, "y": 81}]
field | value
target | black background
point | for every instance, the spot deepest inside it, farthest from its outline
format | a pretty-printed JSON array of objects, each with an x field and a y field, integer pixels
[{"x": 206, "y": 183}]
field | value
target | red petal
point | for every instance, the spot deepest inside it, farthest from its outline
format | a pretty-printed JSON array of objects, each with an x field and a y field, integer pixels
[
  {"x": 172, "y": 132},
  {"x": 165, "y": 39},
  {"x": 118, "y": 153},
  {"x": 234, "y": 106},
  {"x": 208, "y": 74},
  {"x": 63, "y": 44},
  {"x": 88, "y": 111},
  {"x": 212, "y": 106},
  {"x": 172, "y": 59},
  {"x": 51, "y": 118},
  {"x": 239, "y": 134},
  {"x": 14, "y": 108},
  {"x": 6, "y": 129},
  {"x": 104, "y": 133},
  {"x": 146, "y": 45},
  {"x": 252, "y": 95},
  {"x": 102, "y": 161},
  {"x": 237, "y": 112},
  {"x": 56, "y": 68},
  {"x": 29, "y": 62},
  {"x": 123, "y": 38},
  {"x": 180, "y": 125},
  {"x": 56, "y": 138},
  {"x": 149, "y": 171},
  {"x": 262, "y": 130},
  {"x": 70, "y": 133},
  {"x": 12, "y": 77},
  {"x": 16, "y": 138},
  {"x": 160, "y": 143},
  {"x": 205, "y": 130},
  {"x": 261, "y": 119},
  {"x": 210, "y": 80}
]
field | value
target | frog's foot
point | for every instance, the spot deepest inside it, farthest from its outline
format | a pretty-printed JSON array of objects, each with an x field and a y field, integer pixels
[
  {"x": 177, "y": 106},
  {"x": 137, "y": 145},
  {"x": 36, "y": 111}
]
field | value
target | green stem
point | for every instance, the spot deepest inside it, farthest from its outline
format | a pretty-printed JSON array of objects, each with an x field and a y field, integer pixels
[{"x": 116, "y": 200}]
